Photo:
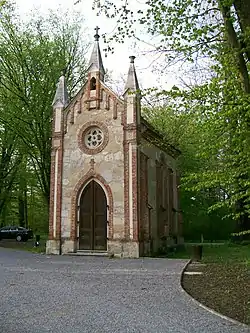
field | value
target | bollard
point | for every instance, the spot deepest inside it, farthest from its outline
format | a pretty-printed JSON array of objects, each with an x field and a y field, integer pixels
[
  {"x": 197, "y": 252},
  {"x": 37, "y": 240}
]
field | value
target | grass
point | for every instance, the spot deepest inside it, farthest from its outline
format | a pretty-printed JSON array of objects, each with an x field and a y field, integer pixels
[
  {"x": 226, "y": 253},
  {"x": 25, "y": 246}
]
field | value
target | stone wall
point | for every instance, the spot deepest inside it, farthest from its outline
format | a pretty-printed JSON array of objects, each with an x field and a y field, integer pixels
[
  {"x": 106, "y": 166},
  {"x": 163, "y": 221},
  {"x": 133, "y": 173}
]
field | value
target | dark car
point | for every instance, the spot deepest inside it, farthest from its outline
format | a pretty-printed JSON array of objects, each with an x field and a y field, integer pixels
[{"x": 14, "y": 232}]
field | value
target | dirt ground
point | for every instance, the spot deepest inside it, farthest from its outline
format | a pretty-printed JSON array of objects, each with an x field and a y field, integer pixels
[{"x": 224, "y": 287}]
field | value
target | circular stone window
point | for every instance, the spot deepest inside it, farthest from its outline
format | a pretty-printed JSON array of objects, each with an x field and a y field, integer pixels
[{"x": 93, "y": 137}]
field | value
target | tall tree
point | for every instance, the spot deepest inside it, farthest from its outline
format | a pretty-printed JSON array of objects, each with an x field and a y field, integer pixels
[
  {"x": 33, "y": 55},
  {"x": 10, "y": 159},
  {"x": 218, "y": 31}
]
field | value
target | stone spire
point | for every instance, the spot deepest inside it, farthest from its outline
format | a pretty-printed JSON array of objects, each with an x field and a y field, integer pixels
[
  {"x": 61, "y": 98},
  {"x": 132, "y": 82},
  {"x": 95, "y": 63}
]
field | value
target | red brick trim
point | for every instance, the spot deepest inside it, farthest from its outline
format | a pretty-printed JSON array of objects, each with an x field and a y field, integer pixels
[
  {"x": 81, "y": 134},
  {"x": 144, "y": 210},
  {"x": 59, "y": 192},
  {"x": 52, "y": 179},
  {"x": 115, "y": 106},
  {"x": 179, "y": 216},
  {"x": 136, "y": 190},
  {"x": 59, "y": 150},
  {"x": 131, "y": 135},
  {"x": 98, "y": 90},
  {"x": 72, "y": 116},
  {"x": 107, "y": 102},
  {"x": 74, "y": 199},
  {"x": 52, "y": 186},
  {"x": 132, "y": 127},
  {"x": 158, "y": 197},
  {"x": 171, "y": 201},
  {"x": 132, "y": 141},
  {"x": 126, "y": 190}
]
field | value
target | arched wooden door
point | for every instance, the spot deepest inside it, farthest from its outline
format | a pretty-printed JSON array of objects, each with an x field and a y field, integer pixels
[{"x": 93, "y": 218}]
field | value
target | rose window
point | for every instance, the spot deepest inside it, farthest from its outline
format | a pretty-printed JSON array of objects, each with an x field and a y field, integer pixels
[{"x": 93, "y": 137}]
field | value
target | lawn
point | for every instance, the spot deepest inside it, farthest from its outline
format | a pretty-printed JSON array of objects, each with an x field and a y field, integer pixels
[
  {"x": 228, "y": 252},
  {"x": 224, "y": 282},
  {"x": 26, "y": 246}
]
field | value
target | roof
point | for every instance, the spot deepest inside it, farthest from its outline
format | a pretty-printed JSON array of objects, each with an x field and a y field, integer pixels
[{"x": 156, "y": 138}]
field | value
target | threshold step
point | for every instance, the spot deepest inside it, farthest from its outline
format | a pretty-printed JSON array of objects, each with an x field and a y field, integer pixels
[{"x": 89, "y": 253}]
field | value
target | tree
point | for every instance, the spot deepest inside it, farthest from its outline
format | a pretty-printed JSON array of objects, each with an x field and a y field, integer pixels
[
  {"x": 9, "y": 163},
  {"x": 217, "y": 31},
  {"x": 33, "y": 55}
]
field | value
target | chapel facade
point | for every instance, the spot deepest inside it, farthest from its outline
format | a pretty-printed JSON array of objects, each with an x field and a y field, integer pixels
[{"x": 114, "y": 188}]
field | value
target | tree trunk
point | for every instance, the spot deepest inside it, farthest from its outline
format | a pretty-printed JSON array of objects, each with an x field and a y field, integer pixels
[
  {"x": 236, "y": 47},
  {"x": 241, "y": 50},
  {"x": 242, "y": 8}
]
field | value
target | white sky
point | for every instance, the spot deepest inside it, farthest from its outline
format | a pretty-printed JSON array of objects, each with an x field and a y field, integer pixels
[{"x": 118, "y": 62}]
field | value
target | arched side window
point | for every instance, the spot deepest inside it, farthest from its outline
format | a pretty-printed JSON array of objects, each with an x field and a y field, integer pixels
[{"x": 93, "y": 83}]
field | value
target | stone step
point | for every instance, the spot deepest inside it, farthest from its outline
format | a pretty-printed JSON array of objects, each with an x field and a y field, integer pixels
[
  {"x": 89, "y": 253},
  {"x": 193, "y": 273}
]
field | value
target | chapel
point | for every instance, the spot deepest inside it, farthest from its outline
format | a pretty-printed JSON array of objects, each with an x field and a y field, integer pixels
[{"x": 114, "y": 184}]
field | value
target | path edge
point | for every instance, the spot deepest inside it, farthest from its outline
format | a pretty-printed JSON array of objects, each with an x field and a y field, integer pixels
[{"x": 231, "y": 320}]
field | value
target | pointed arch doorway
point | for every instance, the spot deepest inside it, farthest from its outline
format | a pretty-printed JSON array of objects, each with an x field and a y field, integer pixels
[{"x": 93, "y": 218}]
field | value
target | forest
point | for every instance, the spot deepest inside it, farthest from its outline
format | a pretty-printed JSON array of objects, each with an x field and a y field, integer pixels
[{"x": 207, "y": 117}]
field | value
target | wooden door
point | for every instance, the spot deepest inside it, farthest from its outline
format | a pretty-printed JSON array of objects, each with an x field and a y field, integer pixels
[{"x": 93, "y": 218}]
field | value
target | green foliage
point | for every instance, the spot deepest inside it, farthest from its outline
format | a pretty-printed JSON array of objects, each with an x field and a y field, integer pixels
[
  {"x": 9, "y": 163},
  {"x": 33, "y": 55},
  {"x": 208, "y": 121}
]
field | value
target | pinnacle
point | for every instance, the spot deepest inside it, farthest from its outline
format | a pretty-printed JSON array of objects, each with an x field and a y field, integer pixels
[
  {"x": 95, "y": 63},
  {"x": 61, "y": 96},
  {"x": 132, "y": 81}
]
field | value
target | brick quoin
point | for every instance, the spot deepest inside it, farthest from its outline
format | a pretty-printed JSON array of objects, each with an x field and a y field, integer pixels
[
  {"x": 126, "y": 190},
  {"x": 131, "y": 136},
  {"x": 171, "y": 202},
  {"x": 59, "y": 192},
  {"x": 51, "y": 199},
  {"x": 179, "y": 217},
  {"x": 136, "y": 190},
  {"x": 56, "y": 137},
  {"x": 145, "y": 231},
  {"x": 158, "y": 197}
]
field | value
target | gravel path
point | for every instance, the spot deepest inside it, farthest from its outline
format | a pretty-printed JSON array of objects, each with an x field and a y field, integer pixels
[{"x": 83, "y": 294}]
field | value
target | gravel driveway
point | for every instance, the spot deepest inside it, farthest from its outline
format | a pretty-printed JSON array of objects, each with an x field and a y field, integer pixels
[{"x": 84, "y": 294}]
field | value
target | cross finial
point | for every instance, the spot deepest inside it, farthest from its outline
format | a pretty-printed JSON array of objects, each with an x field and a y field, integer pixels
[
  {"x": 96, "y": 33},
  {"x": 132, "y": 59}
]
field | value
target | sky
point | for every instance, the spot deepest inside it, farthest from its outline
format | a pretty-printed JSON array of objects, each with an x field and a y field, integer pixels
[{"x": 118, "y": 62}]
